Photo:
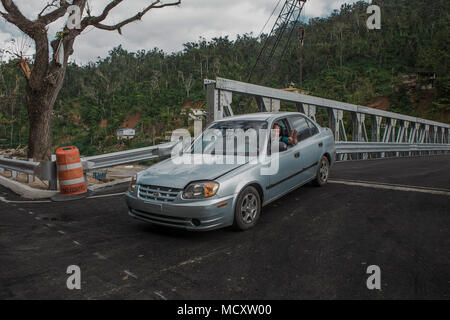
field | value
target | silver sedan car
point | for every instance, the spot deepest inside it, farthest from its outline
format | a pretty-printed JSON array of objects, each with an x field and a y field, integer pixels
[{"x": 231, "y": 188}]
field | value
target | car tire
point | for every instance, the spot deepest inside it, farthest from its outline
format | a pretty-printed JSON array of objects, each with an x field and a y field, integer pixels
[
  {"x": 247, "y": 210},
  {"x": 323, "y": 172}
]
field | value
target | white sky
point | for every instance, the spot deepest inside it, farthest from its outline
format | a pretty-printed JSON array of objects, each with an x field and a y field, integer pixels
[{"x": 166, "y": 28}]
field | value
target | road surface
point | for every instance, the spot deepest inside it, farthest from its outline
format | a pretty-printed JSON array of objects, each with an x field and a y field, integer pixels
[{"x": 315, "y": 243}]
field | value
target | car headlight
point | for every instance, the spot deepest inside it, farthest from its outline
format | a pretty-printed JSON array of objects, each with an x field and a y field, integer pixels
[
  {"x": 133, "y": 184},
  {"x": 200, "y": 190}
]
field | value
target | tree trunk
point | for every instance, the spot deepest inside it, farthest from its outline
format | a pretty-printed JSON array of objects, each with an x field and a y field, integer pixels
[
  {"x": 40, "y": 101},
  {"x": 40, "y": 110},
  {"x": 40, "y": 138}
]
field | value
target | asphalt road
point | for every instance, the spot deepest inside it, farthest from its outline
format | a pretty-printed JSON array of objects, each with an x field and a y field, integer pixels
[{"x": 315, "y": 243}]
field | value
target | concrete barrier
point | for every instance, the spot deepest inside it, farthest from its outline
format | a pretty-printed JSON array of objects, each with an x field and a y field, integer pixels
[{"x": 26, "y": 191}]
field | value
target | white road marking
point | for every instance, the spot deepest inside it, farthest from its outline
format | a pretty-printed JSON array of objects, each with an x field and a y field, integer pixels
[
  {"x": 130, "y": 274},
  {"x": 61, "y": 232},
  {"x": 159, "y": 294},
  {"x": 76, "y": 242},
  {"x": 194, "y": 260},
  {"x": 386, "y": 186},
  {"x": 107, "y": 195},
  {"x": 100, "y": 256}
]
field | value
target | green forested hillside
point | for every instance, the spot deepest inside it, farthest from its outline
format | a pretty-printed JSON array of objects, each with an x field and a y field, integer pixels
[{"x": 342, "y": 60}]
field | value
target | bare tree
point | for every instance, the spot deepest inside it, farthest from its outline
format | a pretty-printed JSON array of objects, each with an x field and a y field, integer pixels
[
  {"x": 47, "y": 74},
  {"x": 188, "y": 85}
]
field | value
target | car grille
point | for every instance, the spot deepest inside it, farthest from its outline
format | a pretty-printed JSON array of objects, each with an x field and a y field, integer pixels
[
  {"x": 157, "y": 193},
  {"x": 162, "y": 219}
]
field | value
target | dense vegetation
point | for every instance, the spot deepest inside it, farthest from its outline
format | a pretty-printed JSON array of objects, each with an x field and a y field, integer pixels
[{"x": 343, "y": 60}]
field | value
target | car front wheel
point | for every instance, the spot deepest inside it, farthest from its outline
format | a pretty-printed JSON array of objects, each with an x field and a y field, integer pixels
[
  {"x": 323, "y": 171},
  {"x": 248, "y": 209}
]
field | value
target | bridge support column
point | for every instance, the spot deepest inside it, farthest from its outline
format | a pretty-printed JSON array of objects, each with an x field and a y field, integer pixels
[
  {"x": 337, "y": 124},
  {"x": 442, "y": 135},
  {"x": 359, "y": 128},
  {"x": 402, "y": 134},
  {"x": 414, "y": 133},
  {"x": 420, "y": 134},
  {"x": 424, "y": 134},
  {"x": 268, "y": 104},
  {"x": 359, "y": 132},
  {"x": 335, "y": 117},
  {"x": 376, "y": 128},
  {"x": 309, "y": 110},
  {"x": 389, "y": 130},
  {"x": 271, "y": 105},
  {"x": 218, "y": 103},
  {"x": 433, "y": 134}
]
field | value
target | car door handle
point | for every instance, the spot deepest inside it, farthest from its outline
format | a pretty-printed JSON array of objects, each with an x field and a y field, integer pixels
[
  {"x": 297, "y": 155},
  {"x": 321, "y": 144}
]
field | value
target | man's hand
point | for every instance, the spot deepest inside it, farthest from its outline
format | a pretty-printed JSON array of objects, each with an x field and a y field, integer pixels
[{"x": 293, "y": 138}]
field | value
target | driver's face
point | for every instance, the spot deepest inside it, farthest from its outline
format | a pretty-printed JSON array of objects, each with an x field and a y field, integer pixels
[{"x": 276, "y": 131}]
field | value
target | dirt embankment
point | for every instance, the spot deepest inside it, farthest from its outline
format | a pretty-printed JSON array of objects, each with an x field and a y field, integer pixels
[
  {"x": 381, "y": 103},
  {"x": 132, "y": 121}
]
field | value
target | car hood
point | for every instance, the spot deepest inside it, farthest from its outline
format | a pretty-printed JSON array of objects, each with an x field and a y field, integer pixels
[{"x": 179, "y": 172}]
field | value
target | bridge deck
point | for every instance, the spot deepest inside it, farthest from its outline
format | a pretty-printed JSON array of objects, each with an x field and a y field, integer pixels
[{"x": 313, "y": 243}]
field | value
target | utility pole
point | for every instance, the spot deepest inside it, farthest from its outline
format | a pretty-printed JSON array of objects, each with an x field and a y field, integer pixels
[{"x": 301, "y": 37}]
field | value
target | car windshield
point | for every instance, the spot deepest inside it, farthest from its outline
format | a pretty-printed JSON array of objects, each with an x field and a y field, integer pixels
[{"x": 234, "y": 137}]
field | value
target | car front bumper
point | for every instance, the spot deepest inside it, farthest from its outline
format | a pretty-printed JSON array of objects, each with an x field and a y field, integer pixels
[{"x": 199, "y": 215}]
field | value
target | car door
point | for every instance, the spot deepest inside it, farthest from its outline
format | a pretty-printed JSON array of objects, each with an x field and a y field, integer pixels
[
  {"x": 288, "y": 168},
  {"x": 308, "y": 147}
]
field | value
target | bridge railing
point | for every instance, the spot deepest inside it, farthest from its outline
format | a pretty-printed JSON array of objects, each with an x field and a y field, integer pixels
[
  {"x": 385, "y": 126},
  {"x": 374, "y": 150}
]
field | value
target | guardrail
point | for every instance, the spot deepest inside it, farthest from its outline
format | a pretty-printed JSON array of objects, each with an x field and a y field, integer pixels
[
  {"x": 373, "y": 150},
  {"x": 28, "y": 167},
  {"x": 127, "y": 156},
  {"x": 374, "y": 147},
  {"x": 47, "y": 170},
  {"x": 43, "y": 170}
]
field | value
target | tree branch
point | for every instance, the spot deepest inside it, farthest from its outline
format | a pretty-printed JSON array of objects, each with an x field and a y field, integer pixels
[
  {"x": 55, "y": 14},
  {"x": 16, "y": 17},
  {"x": 104, "y": 14},
  {"x": 96, "y": 21},
  {"x": 49, "y": 5}
]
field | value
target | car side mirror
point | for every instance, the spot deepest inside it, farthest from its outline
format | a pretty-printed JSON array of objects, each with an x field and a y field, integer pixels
[{"x": 281, "y": 147}]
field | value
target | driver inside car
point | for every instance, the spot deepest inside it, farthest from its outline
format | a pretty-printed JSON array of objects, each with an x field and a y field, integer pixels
[{"x": 282, "y": 132}]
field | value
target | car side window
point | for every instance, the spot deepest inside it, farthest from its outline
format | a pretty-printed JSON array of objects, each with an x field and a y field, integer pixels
[
  {"x": 313, "y": 128},
  {"x": 302, "y": 127},
  {"x": 285, "y": 131}
]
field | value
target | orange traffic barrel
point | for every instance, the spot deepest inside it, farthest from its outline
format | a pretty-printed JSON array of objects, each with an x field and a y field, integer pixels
[{"x": 70, "y": 172}]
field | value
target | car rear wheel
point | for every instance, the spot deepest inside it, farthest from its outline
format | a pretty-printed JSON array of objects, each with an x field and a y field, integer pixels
[
  {"x": 248, "y": 209},
  {"x": 323, "y": 171}
]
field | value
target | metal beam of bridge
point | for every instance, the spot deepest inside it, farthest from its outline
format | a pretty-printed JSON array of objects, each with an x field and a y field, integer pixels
[{"x": 386, "y": 127}]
